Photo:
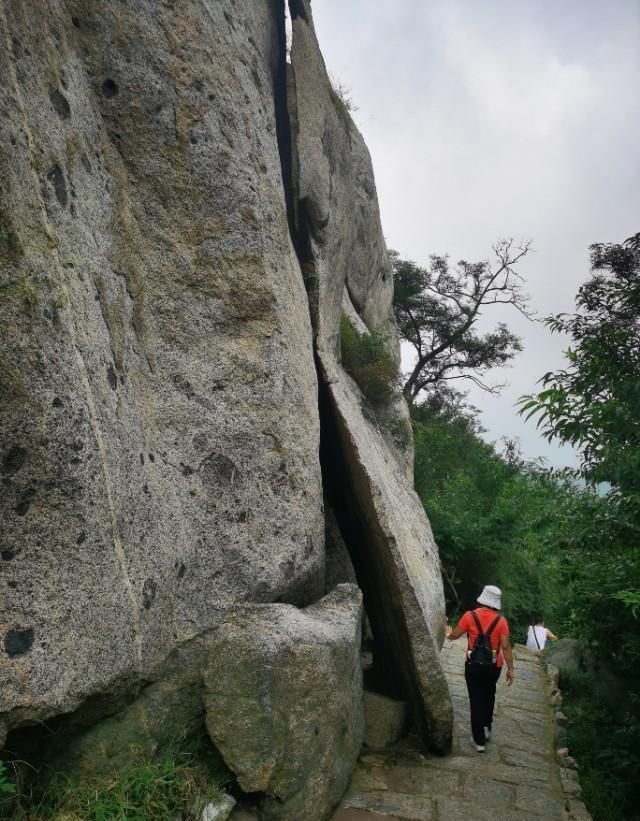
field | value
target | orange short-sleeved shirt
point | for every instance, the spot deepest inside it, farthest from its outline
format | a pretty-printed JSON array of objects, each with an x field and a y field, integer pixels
[{"x": 485, "y": 617}]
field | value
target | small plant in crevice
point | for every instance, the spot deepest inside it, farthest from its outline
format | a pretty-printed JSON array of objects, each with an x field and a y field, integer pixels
[
  {"x": 341, "y": 97},
  {"x": 401, "y": 432},
  {"x": 7, "y": 787},
  {"x": 367, "y": 358},
  {"x": 178, "y": 784}
]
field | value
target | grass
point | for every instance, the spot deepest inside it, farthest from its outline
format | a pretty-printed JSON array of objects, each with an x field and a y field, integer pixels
[
  {"x": 367, "y": 358},
  {"x": 177, "y": 785}
]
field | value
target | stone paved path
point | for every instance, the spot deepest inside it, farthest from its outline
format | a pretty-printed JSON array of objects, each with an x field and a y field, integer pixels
[{"x": 516, "y": 779}]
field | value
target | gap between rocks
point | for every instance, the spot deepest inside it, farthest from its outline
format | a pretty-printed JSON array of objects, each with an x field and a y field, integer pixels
[{"x": 354, "y": 524}]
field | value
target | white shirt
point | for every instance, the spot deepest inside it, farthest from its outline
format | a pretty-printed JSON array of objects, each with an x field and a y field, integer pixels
[{"x": 540, "y": 634}]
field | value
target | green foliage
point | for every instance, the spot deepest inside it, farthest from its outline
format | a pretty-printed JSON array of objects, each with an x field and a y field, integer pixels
[
  {"x": 594, "y": 402},
  {"x": 22, "y": 290},
  {"x": 178, "y": 784},
  {"x": 437, "y": 310},
  {"x": 6, "y": 786},
  {"x": 400, "y": 430},
  {"x": 604, "y": 736},
  {"x": 366, "y": 357},
  {"x": 342, "y": 99}
]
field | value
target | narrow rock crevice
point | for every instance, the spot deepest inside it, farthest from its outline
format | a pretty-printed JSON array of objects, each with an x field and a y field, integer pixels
[
  {"x": 352, "y": 520},
  {"x": 380, "y": 518},
  {"x": 283, "y": 124},
  {"x": 355, "y": 527}
]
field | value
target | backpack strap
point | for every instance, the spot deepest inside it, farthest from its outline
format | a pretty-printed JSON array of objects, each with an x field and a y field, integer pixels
[
  {"x": 492, "y": 627},
  {"x": 477, "y": 621},
  {"x": 493, "y": 624},
  {"x": 535, "y": 635}
]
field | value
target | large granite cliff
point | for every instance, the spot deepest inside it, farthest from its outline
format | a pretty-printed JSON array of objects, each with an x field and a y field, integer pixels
[{"x": 184, "y": 217}]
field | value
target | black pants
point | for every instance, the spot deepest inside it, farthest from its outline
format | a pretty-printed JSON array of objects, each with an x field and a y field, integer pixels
[{"x": 481, "y": 683}]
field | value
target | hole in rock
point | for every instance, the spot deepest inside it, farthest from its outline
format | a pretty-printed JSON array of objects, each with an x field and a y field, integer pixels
[
  {"x": 60, "y": 104},
  {"x": 18, "y": 641},
  {"x": 13, "y": 460},
  {"x": 110, "y": 87},
  {"x": 112, "y": 377},
  {"x": 56, "y": 179}
]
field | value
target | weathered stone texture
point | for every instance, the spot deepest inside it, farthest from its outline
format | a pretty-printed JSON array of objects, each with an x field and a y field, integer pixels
[
  {"x": 385, "y": 720},
  {"x": 180, "y": 224},
  {"x": 283, "y": 697},
  {"x": 394, "y": 553},
  {"x": 158, "y": 410},
  {"x": 337, "y": 207}
]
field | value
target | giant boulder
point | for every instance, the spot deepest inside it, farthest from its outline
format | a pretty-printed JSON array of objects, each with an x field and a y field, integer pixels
[
  {"x": 158, "y": 403},
  {"x": 283, "y": 696}
]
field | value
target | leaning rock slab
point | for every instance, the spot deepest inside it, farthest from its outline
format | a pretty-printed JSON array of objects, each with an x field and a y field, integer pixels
[
  {"x": 283, "y": 698},
  {"x": 398, "y": 565},
  {"x": 381, "y": 517}
]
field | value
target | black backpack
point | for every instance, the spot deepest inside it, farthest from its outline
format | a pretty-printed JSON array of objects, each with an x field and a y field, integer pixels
[{"x": 482, "y": 652}]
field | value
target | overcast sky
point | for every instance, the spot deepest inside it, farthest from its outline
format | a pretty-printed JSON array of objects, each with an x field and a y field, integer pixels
[{"x": 501, "y": 118}]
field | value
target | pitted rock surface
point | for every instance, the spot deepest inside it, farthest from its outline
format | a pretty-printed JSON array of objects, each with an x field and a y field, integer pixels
[
  {"x": 159, "y": 426},
  {"x": 516, "y": 779}
]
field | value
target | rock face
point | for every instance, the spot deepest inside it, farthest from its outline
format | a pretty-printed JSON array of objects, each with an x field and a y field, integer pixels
[
  {"x": 183, "y": 220},
  {"x": 158, "y": 424},
  {"x": 393, "y": 550},
  {"x": 281, "y": 690},
  {"x": 283, "y": 695}
]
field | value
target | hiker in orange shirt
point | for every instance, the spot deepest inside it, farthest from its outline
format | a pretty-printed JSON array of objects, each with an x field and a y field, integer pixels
[{"x": 487, "y": 649}]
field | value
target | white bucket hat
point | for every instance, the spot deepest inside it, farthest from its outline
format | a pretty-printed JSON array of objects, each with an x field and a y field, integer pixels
[{"x": 490, "y": 597}]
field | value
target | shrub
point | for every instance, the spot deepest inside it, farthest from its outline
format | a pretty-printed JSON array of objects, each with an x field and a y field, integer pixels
[
  {"x": 342, "y": 99},
  {"x": 367, "y": 358}
]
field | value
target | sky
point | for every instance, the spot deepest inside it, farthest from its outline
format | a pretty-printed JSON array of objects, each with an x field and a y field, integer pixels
[{"x": 501, "y": 118}]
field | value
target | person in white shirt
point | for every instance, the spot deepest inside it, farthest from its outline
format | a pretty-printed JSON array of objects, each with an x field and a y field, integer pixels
[{"x": 538, "y": 634}]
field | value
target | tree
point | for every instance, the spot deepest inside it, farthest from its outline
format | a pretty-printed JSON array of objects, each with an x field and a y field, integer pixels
[
  {"x": 437, "y": 309},
  {"x": 594, "y": 403}
]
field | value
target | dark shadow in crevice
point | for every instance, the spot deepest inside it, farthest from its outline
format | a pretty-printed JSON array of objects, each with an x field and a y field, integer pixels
[{"x": 386, "y": 675}]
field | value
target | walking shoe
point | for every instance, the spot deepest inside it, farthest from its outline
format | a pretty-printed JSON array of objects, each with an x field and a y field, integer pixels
[
  {"x": 479, "y": 747},
  {"x": 487, "y": 733}
]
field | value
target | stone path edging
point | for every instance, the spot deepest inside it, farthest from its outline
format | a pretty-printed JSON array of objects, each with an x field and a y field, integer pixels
[
  {"x": 518, "y": 778},
  {"x": 568, "y": 765}
]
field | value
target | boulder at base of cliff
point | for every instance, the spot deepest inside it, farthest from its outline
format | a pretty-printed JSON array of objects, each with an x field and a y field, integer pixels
[{"x": 283, "y": 695}]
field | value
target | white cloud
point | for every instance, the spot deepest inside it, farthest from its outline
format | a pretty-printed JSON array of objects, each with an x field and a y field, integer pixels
[{"x": 498, "y": 119}]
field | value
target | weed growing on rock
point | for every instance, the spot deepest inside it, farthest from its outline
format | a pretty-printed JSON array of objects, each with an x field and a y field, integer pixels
[
  {"x": 400, "y": 430},
  {"x": 179, "y": 784},
  {"x": 342, "y": 99},
  {"x": 367, "y": 358}
]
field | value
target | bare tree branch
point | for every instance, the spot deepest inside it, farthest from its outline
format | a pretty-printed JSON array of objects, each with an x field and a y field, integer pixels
[{"x": 437, "y": 309}]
